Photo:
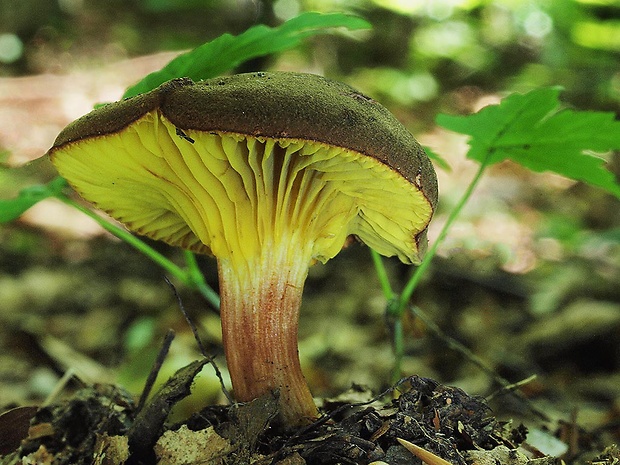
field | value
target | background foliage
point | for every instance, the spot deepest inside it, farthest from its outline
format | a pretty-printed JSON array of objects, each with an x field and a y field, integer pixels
[{"x": 527, "y": 279}]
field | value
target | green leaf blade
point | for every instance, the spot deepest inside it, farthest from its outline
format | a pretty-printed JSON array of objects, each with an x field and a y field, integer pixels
[
  {"x": 11, "y": 209},
  {"x": 227, "y": 51},
  {"x": 532, "y": 130}
]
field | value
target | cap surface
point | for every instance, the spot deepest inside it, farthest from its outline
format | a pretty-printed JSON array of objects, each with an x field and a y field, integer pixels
[{"x": 186, "y": 160}]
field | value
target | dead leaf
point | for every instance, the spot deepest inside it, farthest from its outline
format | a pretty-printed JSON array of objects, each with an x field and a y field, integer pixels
[
  {"x": 186, "y": 447},
  {"x": 500, "y": 454},
  {"x": 14, "y": 426},
  {"x": 147, "y": 426},
  {"x": 111, "y": 450}
]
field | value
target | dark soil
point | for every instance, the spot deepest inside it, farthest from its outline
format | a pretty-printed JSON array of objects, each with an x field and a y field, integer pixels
[{"x": 440, "y": 419}]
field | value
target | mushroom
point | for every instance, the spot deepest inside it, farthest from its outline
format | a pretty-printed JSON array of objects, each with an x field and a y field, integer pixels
[{"x": 269, "y": 173}]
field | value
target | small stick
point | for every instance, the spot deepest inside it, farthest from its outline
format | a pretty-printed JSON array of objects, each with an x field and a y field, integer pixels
[
  {"x": 512, "y": 387},
  {"x": 159, "y": 361},
  {"x": 463, "y": 350},
  {"x": 60, "y": 385},
  {"x": 201, "y": 346}
]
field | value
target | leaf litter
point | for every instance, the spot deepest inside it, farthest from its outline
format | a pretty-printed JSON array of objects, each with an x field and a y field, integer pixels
[{"x": 103, "y": 422}]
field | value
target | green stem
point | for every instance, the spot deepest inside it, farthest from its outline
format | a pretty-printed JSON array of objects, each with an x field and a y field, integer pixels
[
  {"x": 393, "y": 318},
  {"x": 129, "y": 238},
  {"x": 398, "y": 344},
  {"x": 397, "y": 304},
  {"x": 199, "y": 282},
  {"x": 413, "y": 282},
  {"x": 382, "y": 275},
  {"x": 190, "y": 277}
]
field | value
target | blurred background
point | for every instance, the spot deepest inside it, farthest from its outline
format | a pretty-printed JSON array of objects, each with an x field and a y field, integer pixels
[{"x": 528, "y": 279}]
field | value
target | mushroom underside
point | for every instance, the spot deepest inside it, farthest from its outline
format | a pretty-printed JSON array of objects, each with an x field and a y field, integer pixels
[{"x": 226, "y": 193}]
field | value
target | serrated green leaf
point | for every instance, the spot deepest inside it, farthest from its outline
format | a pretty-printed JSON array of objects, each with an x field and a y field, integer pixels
[
  {"x": 227, "y": 51},
  {"x": 533, "y": 130},
  {"x": 11, "y": 209}
]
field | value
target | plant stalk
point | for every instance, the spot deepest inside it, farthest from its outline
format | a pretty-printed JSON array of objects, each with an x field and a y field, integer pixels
[{"x": 190, "y": 277}]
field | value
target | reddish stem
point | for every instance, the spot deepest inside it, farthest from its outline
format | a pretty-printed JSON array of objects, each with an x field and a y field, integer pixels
[{"x": 260, "y": 311}]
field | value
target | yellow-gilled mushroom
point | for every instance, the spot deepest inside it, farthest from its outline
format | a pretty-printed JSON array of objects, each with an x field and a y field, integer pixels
[{"x": 269, "y": 173}]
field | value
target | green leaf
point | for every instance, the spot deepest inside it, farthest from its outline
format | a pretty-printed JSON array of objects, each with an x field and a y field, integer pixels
[
  {"x": 438, "y": 159},
  {"x": 533, "y": 130},
  {"x": 227, "y": 51},
  {"x": 11, "y": 209}
]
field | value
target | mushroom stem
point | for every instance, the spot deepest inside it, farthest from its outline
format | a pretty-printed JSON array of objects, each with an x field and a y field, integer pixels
[{"x": 260, "y": 311}]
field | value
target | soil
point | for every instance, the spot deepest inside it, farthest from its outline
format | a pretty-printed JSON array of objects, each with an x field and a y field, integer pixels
[{"x": 101, "y": 424}]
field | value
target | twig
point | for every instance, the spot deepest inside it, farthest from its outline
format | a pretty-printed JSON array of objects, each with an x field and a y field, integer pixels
[
  {"x": 480, "y": 363},
  {"x": 60, "y": 385},
  {"x": 159, "y": 361},
  {"x": 512, "y": 387},
  {"x": 201, "y": 347},
  {"x": 337, "y": 411}
]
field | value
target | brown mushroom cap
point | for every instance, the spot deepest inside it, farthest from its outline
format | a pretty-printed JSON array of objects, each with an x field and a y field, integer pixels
[{"x": 304, "y": 111}]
